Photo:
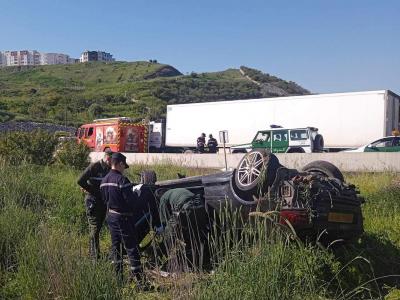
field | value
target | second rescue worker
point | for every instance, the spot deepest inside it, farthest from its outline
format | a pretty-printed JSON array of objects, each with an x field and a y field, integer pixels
[
  {"x": 124, "y": 210},
  {"x": 89, "y": 181}
]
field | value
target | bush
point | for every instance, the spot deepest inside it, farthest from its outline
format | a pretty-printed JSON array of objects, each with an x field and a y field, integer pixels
[
  {"x": 70, "y": 153},
  {"x": 34, "y": 147}
]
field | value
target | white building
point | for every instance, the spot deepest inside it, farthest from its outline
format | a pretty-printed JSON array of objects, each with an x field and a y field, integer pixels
[
  {"x": 96, "y": 56},
  {"x": 33, "y": 58},
  {"x": 54, "y": 59},
  {"x": 22, "y": 58}
]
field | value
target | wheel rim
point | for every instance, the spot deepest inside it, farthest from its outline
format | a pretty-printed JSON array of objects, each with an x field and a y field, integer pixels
[{"x": 250, "y": 168}]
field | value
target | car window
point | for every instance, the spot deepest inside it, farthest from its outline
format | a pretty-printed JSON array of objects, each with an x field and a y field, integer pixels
[
  {"x": 263, "y": 137},
  {"x": 396, "y": 142},
  {"x": 387, "y": 142},
  {"x": 279, "y": 136},
  {"x": 90, "y": 131},
  {"x": 298, "y": 134}
]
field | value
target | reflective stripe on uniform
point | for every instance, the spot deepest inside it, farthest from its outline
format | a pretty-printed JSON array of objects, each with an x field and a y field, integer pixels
[
  {"x": 109, "y": 184},
  {"x": 121, "y": 186}
]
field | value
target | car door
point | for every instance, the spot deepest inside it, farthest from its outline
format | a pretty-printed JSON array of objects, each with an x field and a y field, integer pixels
[
  {"x": 262, "y": 140},
  {"x": 280, "y": 141}
]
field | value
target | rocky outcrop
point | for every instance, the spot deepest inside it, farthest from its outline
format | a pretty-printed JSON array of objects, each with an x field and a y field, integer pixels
[{"x": 164, "y": 71}]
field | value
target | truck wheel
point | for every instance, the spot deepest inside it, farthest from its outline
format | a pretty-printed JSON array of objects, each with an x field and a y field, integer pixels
[
  {"x": 256, "y": 169},
  {"x": 318, "y": 143},
  {"x": 148, "y": 177},
  {"x": 325, "y": 168}
]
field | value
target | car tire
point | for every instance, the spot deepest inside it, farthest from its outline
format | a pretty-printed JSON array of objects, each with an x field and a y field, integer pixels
[
  {"x": 318, "y": 143},
  {"x": 256, "y": 170},
  {"x": 325, "y": 168},
  {"x": 148, "y": 177}
]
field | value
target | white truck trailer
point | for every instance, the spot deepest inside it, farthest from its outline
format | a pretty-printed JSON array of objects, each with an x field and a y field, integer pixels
[{"x": 345, "y": 120}]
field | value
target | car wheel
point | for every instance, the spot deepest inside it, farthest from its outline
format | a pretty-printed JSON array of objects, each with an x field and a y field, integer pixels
[
  {"x": 325, "y": 168},
  {"x": 256, "y": 169},
  {"x": 148, "y": 177}
]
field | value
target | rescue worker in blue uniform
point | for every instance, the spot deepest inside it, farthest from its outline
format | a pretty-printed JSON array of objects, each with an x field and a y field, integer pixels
[
  {"x": 212, "y": 144},
  {"x": 89, "y": 181},
  {"x": 124, "y": 211}
]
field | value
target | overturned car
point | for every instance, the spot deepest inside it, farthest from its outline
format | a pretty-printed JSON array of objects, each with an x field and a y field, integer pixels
[{"x": 315, "y": 201}]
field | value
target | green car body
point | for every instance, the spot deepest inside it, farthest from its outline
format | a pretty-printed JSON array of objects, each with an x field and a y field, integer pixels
[{"x": 386, "y": 144}]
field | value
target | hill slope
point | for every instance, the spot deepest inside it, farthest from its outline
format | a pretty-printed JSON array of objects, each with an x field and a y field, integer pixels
[{"x": 78, "y": 93}]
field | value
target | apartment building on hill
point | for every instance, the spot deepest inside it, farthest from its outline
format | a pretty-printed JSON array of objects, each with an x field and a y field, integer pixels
[
  {"x": 33, "y": 58},
  {"x": 96, "y": 56}
]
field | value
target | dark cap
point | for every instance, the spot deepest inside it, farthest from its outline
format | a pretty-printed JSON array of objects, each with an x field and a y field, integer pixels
[
  {"x": 108, "y": 151},
  {"x": 117, "y": 158}
]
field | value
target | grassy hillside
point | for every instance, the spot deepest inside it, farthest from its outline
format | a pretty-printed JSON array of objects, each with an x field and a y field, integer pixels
[{"x": 81, "y": 92}]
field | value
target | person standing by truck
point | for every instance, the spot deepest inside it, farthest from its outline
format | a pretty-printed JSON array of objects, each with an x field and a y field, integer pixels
[
  {"x": 212, "y": 144},
  {"x": 89, "y": 181},
  {"x": 201, "y": 142}
]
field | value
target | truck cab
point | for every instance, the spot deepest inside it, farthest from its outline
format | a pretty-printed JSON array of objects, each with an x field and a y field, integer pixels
[{"x": 281, "y": 140}]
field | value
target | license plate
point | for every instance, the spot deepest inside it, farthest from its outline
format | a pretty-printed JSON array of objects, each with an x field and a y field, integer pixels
[{"x": 340, "y": 217}]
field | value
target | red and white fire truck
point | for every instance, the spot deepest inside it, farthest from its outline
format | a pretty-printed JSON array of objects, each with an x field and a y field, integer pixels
[{"x": 117, "y": 134}]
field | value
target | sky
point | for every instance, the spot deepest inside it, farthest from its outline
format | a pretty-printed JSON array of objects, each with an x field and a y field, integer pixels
[{"x": 325, "y": 46}]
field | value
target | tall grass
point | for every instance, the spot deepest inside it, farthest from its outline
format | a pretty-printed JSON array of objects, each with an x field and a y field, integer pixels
[{"x": 264, "y": 260}]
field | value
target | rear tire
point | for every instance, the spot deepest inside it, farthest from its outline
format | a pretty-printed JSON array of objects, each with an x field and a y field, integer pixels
[{"x": 325, "y": 168}]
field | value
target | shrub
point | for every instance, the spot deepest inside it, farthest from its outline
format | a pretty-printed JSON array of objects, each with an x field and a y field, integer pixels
[
  {"x": 70, "y": 153},
  {"x": 34, "y": 147}
]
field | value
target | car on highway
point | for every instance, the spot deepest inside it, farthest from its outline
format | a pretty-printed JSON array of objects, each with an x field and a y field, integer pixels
[
  {"x": 386, "y": 144},
  {"x": 316, "y": 200}
]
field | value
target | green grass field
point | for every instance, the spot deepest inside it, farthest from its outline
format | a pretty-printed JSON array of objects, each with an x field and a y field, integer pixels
[{"x": 43, "y": 248}]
